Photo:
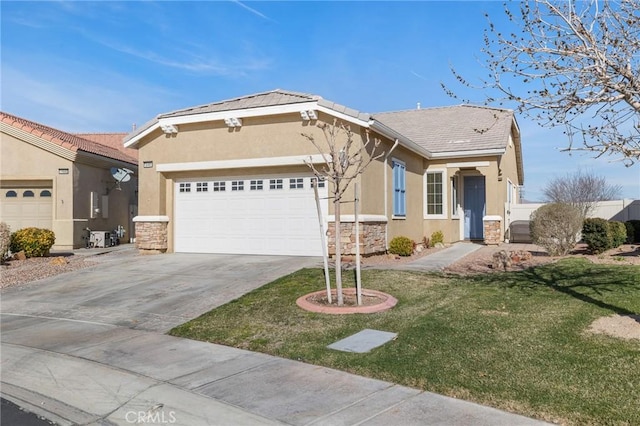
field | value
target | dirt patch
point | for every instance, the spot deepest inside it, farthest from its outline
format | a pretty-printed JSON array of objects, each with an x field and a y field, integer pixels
[
  {"x": 372, "y": 301},
  {"x": 621, "y": 326},
  {"x": 481, "y": 261}
]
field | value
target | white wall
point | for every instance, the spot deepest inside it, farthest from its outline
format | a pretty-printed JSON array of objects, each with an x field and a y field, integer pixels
[{"x": 620, "y": 210}]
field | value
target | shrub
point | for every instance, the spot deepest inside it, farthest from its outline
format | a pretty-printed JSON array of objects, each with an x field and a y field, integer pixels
[
  {"x": 634, "y": 235},
  {"x": 596, "y": 232},
  {"x": 630, "y": 232},
  {"x": 437, "y": 237},
  {"x": 618, "y": 233},
  {"x": 5, "y": 240},
  {"x": 555, "y": 227},
  {"x": 35, "y": 242},
  {"x": 401, "y": 246}
]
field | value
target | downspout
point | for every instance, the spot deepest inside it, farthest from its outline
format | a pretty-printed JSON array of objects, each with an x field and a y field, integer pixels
[{"x": 385, "y": 191}]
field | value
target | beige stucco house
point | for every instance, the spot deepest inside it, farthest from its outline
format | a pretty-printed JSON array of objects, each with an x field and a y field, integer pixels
[
  {"x": 61, "y": 181},
  {"x": 231, "y": 176}
]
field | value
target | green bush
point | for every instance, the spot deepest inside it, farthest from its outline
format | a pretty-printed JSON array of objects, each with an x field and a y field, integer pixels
[
  {"x": 437, "y": 237},
  {"x": 555, "y": 227},
  {"x": 596, "y": 233},
  {"x": 401, "y": 246},
  {"x": 618, "y": 233},
  {"x": 633, "y": 235},
  {"x": 5, "y": 240},
  {"x": 35, "y": 242}
]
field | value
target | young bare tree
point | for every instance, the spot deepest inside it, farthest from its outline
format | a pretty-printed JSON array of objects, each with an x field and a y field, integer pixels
[
  {"x": 573, "y": 64},
  {"x": 581, "y": 190},
  {"x": 344, "y": 160}
]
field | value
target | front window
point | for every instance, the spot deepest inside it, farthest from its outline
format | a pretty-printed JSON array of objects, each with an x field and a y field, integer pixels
[
  {"x": 454, "y": 196},
  {"x": 435, "y": 193}
]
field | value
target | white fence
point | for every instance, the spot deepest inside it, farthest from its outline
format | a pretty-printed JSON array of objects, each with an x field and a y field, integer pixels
[{"x": 620, "y": 210}]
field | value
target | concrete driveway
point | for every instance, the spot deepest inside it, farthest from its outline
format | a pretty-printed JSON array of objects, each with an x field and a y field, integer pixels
[
  {"x": 89, "y": 348},
  {"x": 152, "y": 293}
]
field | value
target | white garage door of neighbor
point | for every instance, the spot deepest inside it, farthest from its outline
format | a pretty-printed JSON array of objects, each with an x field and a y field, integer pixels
[
  {"x": 26, "y": 207},
  {"x": 248, "y": 215}
]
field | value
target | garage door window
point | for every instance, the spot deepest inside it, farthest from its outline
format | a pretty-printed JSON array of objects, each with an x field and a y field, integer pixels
[
  {"x": 256, "y": 185},
  {"x": 219, "y": 186},
  {"x": 45, "y": 193},
  {"x": 275, "y": 184},
  {"x": 11, "y": 194},
  {"x": 297, "y": 183},
  {"x": 320, "y": 182},
  {"x": 28, "y": 194},
  {"x": 185, "y": 187},
  {"x": 202, "y": 186},
  {"x": 237, "y": 185}
]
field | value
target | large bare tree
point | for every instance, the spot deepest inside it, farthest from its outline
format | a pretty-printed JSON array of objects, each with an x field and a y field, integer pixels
[
  {"x": 582, "y": 190},
  {"x": 569, "y": 63},
  {"x": 345, "y": 158}
]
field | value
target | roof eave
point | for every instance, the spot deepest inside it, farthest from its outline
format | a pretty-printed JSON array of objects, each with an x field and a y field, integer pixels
[{"x": 469, "y": 153}]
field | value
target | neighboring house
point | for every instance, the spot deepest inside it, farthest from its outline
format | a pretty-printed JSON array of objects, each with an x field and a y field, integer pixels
[
  {"x": 230, "y": 177},
  {"x": 61, "y": 181}
]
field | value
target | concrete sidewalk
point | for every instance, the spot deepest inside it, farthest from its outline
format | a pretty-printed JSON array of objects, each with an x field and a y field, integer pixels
[
  {"x": 439, "y": 260},
  {"x": 101, "y": 374}
]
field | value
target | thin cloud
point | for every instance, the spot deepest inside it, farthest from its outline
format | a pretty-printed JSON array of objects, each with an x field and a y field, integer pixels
[
  {"x": 199, "y": 65},
  {"x": 255, "y": 12},
  {"x": 418, "y": 75}
]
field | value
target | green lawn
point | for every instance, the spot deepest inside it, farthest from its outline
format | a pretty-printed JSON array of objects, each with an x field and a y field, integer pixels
[{"x": 515, "y": 341}]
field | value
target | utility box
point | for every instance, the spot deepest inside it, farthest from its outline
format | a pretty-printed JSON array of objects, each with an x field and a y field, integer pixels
[{"x": 519, "y": 232}]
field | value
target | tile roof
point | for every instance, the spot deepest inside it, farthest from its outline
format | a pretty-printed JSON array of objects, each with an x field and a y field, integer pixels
[
  {"x": 67, "y": 140},
  {"x": 114, "y": 140},
  {"x": 451, "y": 129},
  {"x": 258, "y": 100}
]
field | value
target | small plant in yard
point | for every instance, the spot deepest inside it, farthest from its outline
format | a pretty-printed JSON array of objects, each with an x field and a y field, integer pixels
[
  {"x": 402, "y": 246},
  {"x": 5, "y": 240},
  {"x": 437, "y": 238},
  {"x": 555, "y": 227},
  {"x": 596, "y": 233},
  {"x": 35, "y": 242}
]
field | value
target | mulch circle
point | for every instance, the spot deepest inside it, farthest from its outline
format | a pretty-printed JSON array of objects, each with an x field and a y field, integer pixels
[{"x": 372, "y": 301}]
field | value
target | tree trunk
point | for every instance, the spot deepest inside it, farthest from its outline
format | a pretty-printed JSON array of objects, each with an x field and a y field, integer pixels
[{"x": 337, "y": 222}]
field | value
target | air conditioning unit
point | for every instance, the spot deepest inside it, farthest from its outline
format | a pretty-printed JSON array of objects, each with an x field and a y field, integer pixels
[{"x": 100, "y": 239}]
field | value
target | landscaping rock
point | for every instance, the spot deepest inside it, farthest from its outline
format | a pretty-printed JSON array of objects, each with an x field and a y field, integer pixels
[
  {"x": 501, "y": 260},
  {"x": 20, "y": 256},
  {"x": 58, "y": 261}
]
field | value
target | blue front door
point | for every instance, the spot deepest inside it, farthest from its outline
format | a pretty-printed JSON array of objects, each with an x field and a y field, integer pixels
[{"x": 474, "y": 207}]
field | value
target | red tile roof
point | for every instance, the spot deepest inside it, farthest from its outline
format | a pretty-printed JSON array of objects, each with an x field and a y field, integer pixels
[
  {"x": 67, "y": 140},
  {"x": 114, "y": 140}
]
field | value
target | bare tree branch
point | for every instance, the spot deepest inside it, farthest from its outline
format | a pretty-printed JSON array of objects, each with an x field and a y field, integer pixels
[{"x": 571, "y": 64}]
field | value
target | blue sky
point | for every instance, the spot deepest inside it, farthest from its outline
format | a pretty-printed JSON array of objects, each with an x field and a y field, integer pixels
[{"x": 102, "y": 66}]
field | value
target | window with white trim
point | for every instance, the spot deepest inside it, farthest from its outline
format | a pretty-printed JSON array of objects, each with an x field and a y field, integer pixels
[
  {"x": 296, "y": 183},
  {"x": 237, "y": 185},
  {"x": 256, "y": 185},
  {"x": 399, "y": 189},
  {"x": 435, "y": 194},
  {"x": 219, "y": 186},
  {"x": 275, "y": 184},
  {"x": 202, "y": 186},
  {"x": 185, "y": 187}
]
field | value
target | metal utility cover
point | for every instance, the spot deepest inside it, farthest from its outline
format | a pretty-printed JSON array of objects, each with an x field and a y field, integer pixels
[{"x": 363, "y": 341}]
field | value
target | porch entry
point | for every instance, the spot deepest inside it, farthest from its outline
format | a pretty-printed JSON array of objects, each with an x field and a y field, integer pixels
[{"x": 474, "y": 207}]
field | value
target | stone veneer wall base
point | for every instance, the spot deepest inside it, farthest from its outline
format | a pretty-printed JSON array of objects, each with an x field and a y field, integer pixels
[{"x": 151, "y": 234}]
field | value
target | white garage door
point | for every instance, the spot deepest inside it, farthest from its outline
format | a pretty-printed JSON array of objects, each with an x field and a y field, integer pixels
[
  {"x": 248, "y": 215},
  {"x": 26, "y": 207}
]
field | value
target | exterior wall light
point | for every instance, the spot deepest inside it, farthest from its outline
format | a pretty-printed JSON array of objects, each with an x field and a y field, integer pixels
[
  {"x": 233, "y": 122},
  {"x": 169, "y": 129},
  {"x": 308, "y": 115}
]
